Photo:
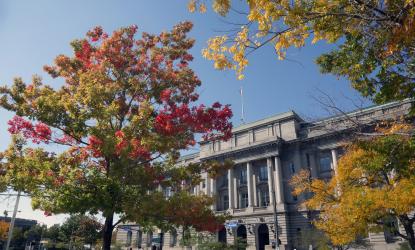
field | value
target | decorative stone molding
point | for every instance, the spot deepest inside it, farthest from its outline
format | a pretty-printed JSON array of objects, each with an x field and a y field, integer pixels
[{"x": 250, "y": 228}]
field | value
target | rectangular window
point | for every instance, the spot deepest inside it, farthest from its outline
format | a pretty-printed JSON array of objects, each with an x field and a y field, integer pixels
[
  {"x": 244, "y": 200},
  {"x": 243, "y": 177},
  {"x": 225, "y": 202},
  {"x": 264, "y": 196},
  {"x": 325, "y": 163},
  {"x": 223, "y": 180},
  {"x": 204, "y": 183},
  {"x": 263, "y": 173},
  {"x": 292, "y": 168}
]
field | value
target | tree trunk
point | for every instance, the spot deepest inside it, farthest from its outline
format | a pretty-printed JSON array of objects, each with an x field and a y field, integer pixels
[
  {"x": 107, "y": 232},
  {"x": 409, "y": 230}
]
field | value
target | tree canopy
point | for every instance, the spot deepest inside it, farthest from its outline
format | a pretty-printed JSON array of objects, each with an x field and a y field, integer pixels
[
  {"x": 376, "y": 38},
  {"x": 374, "y": 185},
  {"x": 125, "y": 111}
]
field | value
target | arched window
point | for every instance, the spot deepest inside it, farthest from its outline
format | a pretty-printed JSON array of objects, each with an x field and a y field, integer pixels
[
  {"x": 139, "y": 238},
  {"x": 149, "y": 238},
  {"x": 173, "y": 237},
  {"x": 129, "y": 238}
]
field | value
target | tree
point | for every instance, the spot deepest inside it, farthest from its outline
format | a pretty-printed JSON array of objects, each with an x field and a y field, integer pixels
[
  {"x": 35, "y": 233},
  {"x": 126, "y": 110},
  {"x": 18, "y": 239},
  {"x": 54, "y": 235},
  {"x": 373, "y": 186},
  {"x": 4, "y": 228},
  {"x": 81, "y": 228},
  {"x": 377, "y": 39}
]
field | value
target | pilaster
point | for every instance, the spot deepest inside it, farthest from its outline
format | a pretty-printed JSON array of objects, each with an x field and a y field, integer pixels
[
  {"x": 254, "y": 189},
  {"x": 270, "y": 181}
]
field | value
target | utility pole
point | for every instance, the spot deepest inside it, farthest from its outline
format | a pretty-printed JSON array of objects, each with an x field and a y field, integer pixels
[{"x": 16, "y": 206}]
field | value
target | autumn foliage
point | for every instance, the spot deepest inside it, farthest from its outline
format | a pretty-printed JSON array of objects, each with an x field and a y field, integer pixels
[
  {"x": 373, "y": 188},
  {"x": 374, "y": 39},
  {"x": 125, "y": 111},
  {"x": 4, "y": 229}
]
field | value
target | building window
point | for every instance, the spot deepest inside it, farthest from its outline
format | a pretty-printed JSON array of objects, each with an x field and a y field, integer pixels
[
  {"x": 173, "y": 238},
  {"x": 225, "y": 201},
  {"x": 292, "y": 168},
  {"x": 325, "y": 163},
  {"x": 139, "y": 238},
  {"x": 307, "y": 156},
  {"x": 244, "y": 199},
  {"x": 149, "y": 238},
  {"x": 243, "y": 178},
  {"x": 204, "y": 183},
  {"x": 167, "y": 192},
  {"x": 263, "y": 197},
  {"x": 263, "y": 173},
  {"x": 223, "y": 180},
  {"x": 129, "y": 238}
]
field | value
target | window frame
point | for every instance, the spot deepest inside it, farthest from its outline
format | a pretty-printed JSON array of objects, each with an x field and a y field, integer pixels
[{"x": 325, "y": 163}]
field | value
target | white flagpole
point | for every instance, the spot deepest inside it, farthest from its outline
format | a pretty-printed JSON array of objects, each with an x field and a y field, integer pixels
[{"x": 242, "y": 106}]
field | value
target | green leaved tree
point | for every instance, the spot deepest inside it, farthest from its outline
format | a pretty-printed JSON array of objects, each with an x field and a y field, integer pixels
[{"x": 125, "y": 111}]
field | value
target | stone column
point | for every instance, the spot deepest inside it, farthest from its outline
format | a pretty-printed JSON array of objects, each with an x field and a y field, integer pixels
[
  {"x": 254, "y": 190},
  {"x": 208, "y": 185},
  {"x": 230, "y": 189},
  {"x": 212, "y": 185},
  {"x": 270, "y": 186},
  {"x": 235, "y": 191},
  {"x": 197, "y": 189},
  {"x": 279, "y": 184},
  {"x": 249, "y": 175},
  {"x": 183, "y": 185},
  {"x": 334, "y": 166},
  {"x": 334, "y": 159}
]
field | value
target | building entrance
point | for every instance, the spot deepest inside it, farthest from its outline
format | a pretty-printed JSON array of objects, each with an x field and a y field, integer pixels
[
  {"x": 222, "y": 235},
  {"x": 262, "y": 237},
  {"x": 241, "y": 237}
]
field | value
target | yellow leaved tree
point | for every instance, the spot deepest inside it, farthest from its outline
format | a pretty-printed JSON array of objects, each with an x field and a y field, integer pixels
[
  {"x": 4, "y": 229},
  {"x": 375, "y": 39},
  {"x": 373, "y": 187}
]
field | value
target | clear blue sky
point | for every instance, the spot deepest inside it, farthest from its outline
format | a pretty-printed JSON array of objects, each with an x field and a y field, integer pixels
[{"x": 32, "y": 33}]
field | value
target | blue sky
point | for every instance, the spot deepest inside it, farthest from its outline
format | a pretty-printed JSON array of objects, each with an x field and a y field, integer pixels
[{"x": 32, "y": 33}]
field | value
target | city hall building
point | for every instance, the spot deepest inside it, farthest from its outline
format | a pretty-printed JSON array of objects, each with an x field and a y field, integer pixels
[{"x": 267, "y": 153}]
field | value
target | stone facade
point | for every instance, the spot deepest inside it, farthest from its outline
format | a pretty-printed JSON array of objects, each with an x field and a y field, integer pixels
[{"x": 267, "y": 153}]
